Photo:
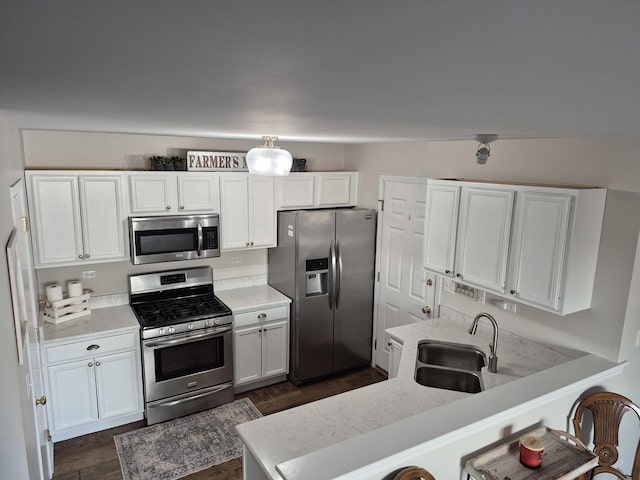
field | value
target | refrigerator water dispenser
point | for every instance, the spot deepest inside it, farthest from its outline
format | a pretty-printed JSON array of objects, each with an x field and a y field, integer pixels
[{"x": 317, "y": 275}]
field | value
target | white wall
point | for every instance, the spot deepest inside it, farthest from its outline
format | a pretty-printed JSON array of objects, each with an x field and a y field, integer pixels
[
  {"x": 76, "y": 150},
  {"x": 609, "y": 327},
  {"x": 17, "y": 435}
]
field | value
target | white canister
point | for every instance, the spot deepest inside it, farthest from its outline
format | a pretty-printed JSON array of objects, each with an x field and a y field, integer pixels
[
  {"x": 54, "y": 292},
  {"x": 74, "y": 288}
]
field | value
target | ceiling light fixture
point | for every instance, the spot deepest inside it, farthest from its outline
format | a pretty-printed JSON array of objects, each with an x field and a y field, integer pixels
[
  {"x": 268, "y": 159},
  {"x": 484, "y": 152}
]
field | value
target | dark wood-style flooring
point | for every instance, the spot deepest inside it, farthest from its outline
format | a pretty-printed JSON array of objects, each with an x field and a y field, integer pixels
[{"x": 94, "y": 456}]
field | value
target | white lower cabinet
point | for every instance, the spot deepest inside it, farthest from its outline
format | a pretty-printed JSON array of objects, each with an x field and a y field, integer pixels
[
  {"x": 395, "y": 352},
  {"x": 261, "y": 347},
  {"x": 93, "y": 384}
]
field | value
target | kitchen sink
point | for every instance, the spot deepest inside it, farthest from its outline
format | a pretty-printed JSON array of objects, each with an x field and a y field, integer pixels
[
  {"x": 459, "y": 380},
  {"x": 454, "y": 355}
]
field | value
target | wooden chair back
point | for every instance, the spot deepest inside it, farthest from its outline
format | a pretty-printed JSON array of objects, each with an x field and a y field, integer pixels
[
  {"x": 607, "y": 410},
  {"x": 413, "y": 473}
]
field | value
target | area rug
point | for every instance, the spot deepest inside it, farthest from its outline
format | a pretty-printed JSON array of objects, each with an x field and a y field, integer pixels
[{"x": 179, "y": 447}]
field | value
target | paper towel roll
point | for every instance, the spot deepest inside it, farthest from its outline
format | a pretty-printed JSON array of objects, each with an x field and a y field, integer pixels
[
  {"x": 54, "y": 292},
  {"x": 74, "y": 288}
]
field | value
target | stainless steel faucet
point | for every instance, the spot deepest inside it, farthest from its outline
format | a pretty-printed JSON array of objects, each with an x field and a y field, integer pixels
[{"x": 493, "y": 347}]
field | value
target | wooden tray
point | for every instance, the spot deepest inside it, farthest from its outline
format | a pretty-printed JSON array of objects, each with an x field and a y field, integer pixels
[
  {"x": 67, "y": 309},
  {"x": 564, "y": 458}
]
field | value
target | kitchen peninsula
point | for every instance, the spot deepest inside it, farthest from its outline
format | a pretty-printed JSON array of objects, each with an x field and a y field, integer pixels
[{"x": 358, "y": 433}]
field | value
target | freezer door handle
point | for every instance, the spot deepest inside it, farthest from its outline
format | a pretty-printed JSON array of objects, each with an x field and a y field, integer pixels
[
  {"x": 332, "y": 275},
  {"x": 338, "y": 275}
]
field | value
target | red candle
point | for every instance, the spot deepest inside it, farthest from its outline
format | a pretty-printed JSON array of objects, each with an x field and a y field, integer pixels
[{"x": 531, "y": 449}]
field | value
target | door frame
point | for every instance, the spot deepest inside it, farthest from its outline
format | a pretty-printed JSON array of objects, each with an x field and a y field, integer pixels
[{"x": 383, "y": 179}]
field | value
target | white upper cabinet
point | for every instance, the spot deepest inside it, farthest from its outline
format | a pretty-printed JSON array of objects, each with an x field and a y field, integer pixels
[
  {"x": 317, "y": 190},
  {"x": 157, "y": 193},
  {"x": 484, "y": 231},
  {"x": 77, "y": 218},
  {"x": 532, "y": 244},
  {"x": 247, "y": 211},
  {"x": 440, "y": 226}
]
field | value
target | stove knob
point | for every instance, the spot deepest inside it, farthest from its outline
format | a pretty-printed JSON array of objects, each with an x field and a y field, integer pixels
[
  {"x": 161, "y": 331},
  {"x": 207, "y": 323},
  {"x": 190, "y": 327},
  {"x": 171, "y": 329}
]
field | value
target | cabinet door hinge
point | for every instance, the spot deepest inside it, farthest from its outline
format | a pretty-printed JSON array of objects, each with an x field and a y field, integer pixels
[
  {"x": 25, "y": 224},
  {"x": 381, "y": 205},
  {"x": 375, "y": 344},
  {"x": 378, "y": 277}
]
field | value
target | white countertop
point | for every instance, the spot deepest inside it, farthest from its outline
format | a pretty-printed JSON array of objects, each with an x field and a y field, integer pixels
[
  {"x": 286, "y": 438},
  {"x": 246, "y": 299},
  {"x": 100, "y": 321}
]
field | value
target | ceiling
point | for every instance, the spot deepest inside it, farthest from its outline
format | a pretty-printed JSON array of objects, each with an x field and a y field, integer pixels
[{"x": 345, "y": 71}]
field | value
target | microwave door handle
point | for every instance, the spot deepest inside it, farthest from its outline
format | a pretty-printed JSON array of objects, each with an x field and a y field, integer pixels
[{"x": 199, "y": 239}]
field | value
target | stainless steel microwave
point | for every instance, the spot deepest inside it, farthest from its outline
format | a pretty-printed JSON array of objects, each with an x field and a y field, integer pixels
[{"x": 174, "y": 237}]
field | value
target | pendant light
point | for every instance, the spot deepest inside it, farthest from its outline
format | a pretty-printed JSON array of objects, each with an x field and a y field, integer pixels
[
  {"x": 269, "y": 159},
  {"x": 484, "y": 151}
]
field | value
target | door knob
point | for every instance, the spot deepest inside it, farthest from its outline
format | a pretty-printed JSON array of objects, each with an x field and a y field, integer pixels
[
  {"x": 426, "y": 310},
  {"x": 429, "y": 282},
  {"x": 41, "y": 401}
]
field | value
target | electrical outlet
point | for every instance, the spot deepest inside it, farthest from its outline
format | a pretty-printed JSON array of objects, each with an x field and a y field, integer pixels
[
  {"x": 235, "y": 260},
  {"x": 89, "y": 274},
  {"x": 449, "y": 285},
  {"x": 481, "y": 296}
]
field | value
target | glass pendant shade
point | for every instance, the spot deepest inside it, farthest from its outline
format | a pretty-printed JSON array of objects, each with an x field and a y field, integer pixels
[{"x": 269, "y": 159}]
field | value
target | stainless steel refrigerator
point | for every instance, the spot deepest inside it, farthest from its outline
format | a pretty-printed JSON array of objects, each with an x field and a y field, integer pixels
[{"x": 324, "y": 262}]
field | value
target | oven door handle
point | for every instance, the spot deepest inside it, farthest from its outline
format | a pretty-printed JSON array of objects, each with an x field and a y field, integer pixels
[
  {"x": 213, "y": 391},
  {"x": 200, "y": 241},
  {"x": 192, "y": 338}
]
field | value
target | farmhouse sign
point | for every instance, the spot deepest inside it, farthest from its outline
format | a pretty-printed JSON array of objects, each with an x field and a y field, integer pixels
[{"x": 199, "y": 161}]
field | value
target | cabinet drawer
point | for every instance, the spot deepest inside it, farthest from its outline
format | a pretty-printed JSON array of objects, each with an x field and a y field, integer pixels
[
  {"x": 77, "y": 350},
  {"x": 258, "y": 316}
]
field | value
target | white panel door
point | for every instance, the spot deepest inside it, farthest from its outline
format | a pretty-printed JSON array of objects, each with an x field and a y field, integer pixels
[
  {"x": 540, "y": 239},
  {"x": 102, "y": 217},
  {"x": 247, "y": 355},
  {"x": 404, "y": 286},
  {"x": 73, "y": 387},
  {"x": 153, "y": 193},
  {"x": 28, "y": 291},
  {"x": 198, "y": 192},
  {"x": 274, "y": 349},
  {"x": 440, "y": 227},
  {"x": 484, "y": 232},
  {"x": 262, "y": 212},
  {"x": 234, "y": 211},
  {"x": 57, "y": 223},
  {"x": 117, "y": 384}
]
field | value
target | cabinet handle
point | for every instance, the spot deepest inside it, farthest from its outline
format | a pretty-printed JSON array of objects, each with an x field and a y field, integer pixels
[
  {"x": 97, "y": 364},
  {"x": 246, "y": 244},
  {"x": 262, "y": 315},
  {"x": 181, "y": 207},
  {"x": 252, "y": 244},
  {"x": 447, "y": 271},
  {"x": 80, "y": 256},
  {"x": 388, "y": 344},
  {"x": 90, "y": 364},
  {"x": 168, "y": 207},
  {"x": 458, "y": 275},
  {"x": 93, "y": 347}
]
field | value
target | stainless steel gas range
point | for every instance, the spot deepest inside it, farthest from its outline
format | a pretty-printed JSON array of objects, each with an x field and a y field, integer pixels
[{"x": 187, "y": 356}]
